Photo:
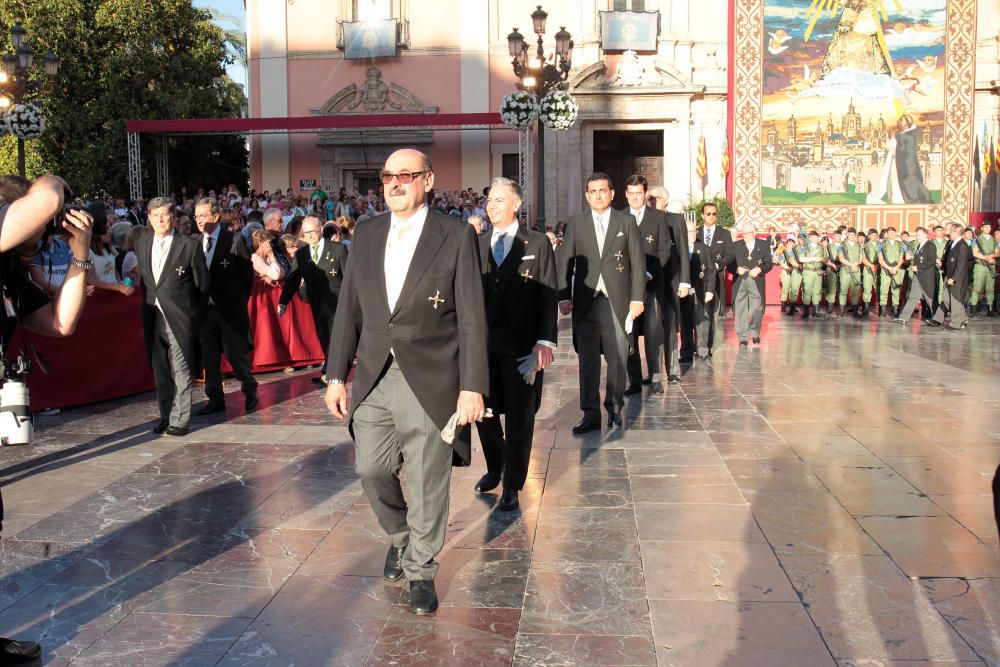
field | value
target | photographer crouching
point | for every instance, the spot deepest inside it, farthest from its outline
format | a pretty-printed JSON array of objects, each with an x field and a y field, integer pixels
[{"x": 26, "y": 210}]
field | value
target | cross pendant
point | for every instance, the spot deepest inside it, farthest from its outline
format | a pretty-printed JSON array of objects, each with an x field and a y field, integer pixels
[
  {"x": 619, "y": 255},
  {"x": 436, "y": 299},
  {"x": 333, "y": 272},
  {"x": 526, "y": 275},
  {"x": 181, "y": 270},
  {"x": 649, "y": 239}
]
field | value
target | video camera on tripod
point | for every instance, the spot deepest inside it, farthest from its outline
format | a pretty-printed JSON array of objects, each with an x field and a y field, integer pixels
[{"x": 16, "y": 423}]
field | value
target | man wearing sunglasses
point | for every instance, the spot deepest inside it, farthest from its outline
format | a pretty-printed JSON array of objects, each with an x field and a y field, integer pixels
[
  {"x": 412, "y": 310},
  {"x": 717, "y": 239}
]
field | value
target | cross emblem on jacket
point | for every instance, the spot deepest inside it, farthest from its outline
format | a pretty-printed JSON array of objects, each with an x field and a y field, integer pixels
[{"x": 436, "y": 299}]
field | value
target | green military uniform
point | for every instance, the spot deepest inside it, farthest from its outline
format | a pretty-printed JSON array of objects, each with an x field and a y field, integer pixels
[
  {"x": 893, "y": 252},
  {"x": 830, "y": 274},
  {"x": 791, "y": 277},
  {"x": 850, "y": 281},
  {"x": 868, "y": 274},
  {"x": 812, "y": 272},
  {"x": 984, "y": 273}
]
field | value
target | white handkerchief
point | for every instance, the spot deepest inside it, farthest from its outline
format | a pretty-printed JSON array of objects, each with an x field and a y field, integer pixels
[
  {"x": 628, "y": 322},
  {"x": 448, "y": 432},
  {"x": 620, "y": 234},
  {"x": 527, "y": 257}
]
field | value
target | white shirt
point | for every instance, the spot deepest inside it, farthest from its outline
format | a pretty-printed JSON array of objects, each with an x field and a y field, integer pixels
[
  {"x": 637, "y": 214},
  {"x": 601, "y": 221},
  {"x": 399, "y": 252},
  {"x": 161, "y": 248}
]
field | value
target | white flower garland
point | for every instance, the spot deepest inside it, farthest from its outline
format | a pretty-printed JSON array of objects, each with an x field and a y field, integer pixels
[
  {"x": 559, "y": 110},
  {"x": 25, "y": 121},
  {"x": 519, "y": 109}
]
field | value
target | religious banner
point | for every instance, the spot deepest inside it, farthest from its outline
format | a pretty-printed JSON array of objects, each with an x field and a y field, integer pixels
[
  {"x": 845, "y": 110},
  {"x": 374, "y": 38}
]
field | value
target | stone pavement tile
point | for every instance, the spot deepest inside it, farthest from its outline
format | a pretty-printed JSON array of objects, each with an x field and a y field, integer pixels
[
  {"x": 772, "y": 447},
  {"x": 55, "y": 489},
  {"x": 866, "y": 609},
  {"x": 733, "y": 421},
  {"x": 868, "y": 662},
  {"x": 488, "y": 578},
  {"x": 474, "y": 521},
  {"x": 634, "y": 439},
  {"x": 246, "y": 433},
  {"x": 808, "y": 523},
  {"x": 748, "y": 634},
  {"x": 15, "y": 522},
  {"x": 24, "y": 566},
  {"x": 786, "y": 408},
  {"x": 648, "y": 461},
  {"x": 585, "y": 459},
  {"x": 314, "y": 503},
  {"x": 898, "y": 441},
  {"x": 452, "y": 635},
  {"x": 975, "y": 512},
  {"x": 945, "y": 474},
  {"x": 586, "y": 535},
  {"x": 318, "y": 435},
  {"x": 832, "y": 450},
  {"x": 232, "y": 457},
  {"x": 356, "y": 546},
  {"x": 875, "y": 491},
  {"x": 687, "y": 484},
  {"x": 821, "y": 426},
  {"x": 588, "y": 488},
  {"x": 772, "y": 475},
  {"x": 696, "y": 523},
  {"x": 973, "y": 609},
  {"x": 935, "y": 546},
  {"x": 534, "y": 650},
  {"x": 585, "y": 599},
  {"x": 318, "y": 620},
  {"x": 729, "y": 571},
  {"x": 160, "y": 639}
]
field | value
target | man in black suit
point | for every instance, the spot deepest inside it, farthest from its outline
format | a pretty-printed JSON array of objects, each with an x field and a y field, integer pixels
[
  {"x": 677, "y": 281},
  {"x": 175, "y": 282},
  {"x": 519, "y": 276},
  {"x": 956, "y": 266},
  {"x": 695, "y": 314},
  {"x": 657, "y": 245},
  {"x": 602, "y": 282},
  {"x": 225, "y": 323},
  {"x": 321, "y": 264},
  {"x": 717, "y": 239},
  {"x": 412, "y": 310},
  {"x": 752, "y": 257},
  {"x": 923, "y": 266}
]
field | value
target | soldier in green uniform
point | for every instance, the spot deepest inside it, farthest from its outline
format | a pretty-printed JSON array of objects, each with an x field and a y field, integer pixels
[
  {"x": 791, "y": 276},
  {"x": 984, "y": 273},
  {"x": 810, "y": 257},
  {"x": 996, "y": 268},
  {"x": 940, "y": 243},
  {"x": 891, "y": 258},
  {"x": 869, "y": 272},
  {"x": 850, "y": 272},
  {"x": 831, "y": 251}
]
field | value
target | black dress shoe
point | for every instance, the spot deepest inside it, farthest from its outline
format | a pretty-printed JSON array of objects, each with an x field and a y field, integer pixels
[
  {"x": 487, "y": 482},
  {"x": 933, "y": 323},
  {"x": 423, "y": 597},
  {"x": 393, "y": 569},
  {"x": 176, "y": 431},
  {"x": 251, "y": 401},
  {"x": 756, "y": 341},
  {"x": 614, "y": 420},
  {"x": 633, "y": 389},
  {"x": 586, "y": 426},
  {"x": 211, "y": 408},
  {"x": 161, "y": 427},
  {"x": 13, "y": 652},
  {"x": 657, "y": 387},
  {"x": 647, "y": 380},
  {"x": 508, "y": 501},
  {"x": 318, "y": 380},
  {"x": 743, "y": 343},
  {"x": 673, "y": 379}
]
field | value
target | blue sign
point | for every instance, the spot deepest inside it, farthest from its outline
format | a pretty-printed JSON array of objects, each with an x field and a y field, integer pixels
[
  {"x": 370, "y": 39},
  {"x": 629, "y": 31}
]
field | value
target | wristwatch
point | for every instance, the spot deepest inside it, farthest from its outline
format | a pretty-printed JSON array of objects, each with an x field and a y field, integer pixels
[
  {"x": 334, "y": 381},
  {"x": 84, "y": 264}
]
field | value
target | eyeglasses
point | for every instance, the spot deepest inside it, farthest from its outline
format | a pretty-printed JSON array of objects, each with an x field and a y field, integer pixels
[
  {"x": 709, "y": 215},
  {"x": 404, "y": 177}
]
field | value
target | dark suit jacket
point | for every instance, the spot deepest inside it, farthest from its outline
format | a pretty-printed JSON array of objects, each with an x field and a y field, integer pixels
[
  {"x": 323, "y": 280},
  {"x": 521, "y": 302},
  {"x": 720, "y": 239},
  {"x": 925, "y": 259},
  {"x": 957, "y": 263},
  {"x": 441, "y": 350},
  {"x": 182, "y": 290},
  {"x": 231, "y": 281},
  {"x": 678, "y": 268},
  {"x": 704, "y": 278},
  {"x": 657, "y": 244},
  {"x": 622, "y": 264},
  {"x": 736, "y": 252}
]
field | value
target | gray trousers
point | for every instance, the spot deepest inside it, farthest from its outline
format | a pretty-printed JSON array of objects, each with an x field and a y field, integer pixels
[
  {"x": 171, "y": 375},
  {"x": 954, "y": 303},
  {"x": 597, "y": 331},
  {"x": 749, "y": 310},
  {"x": 913, "y": 296},
  {"x": 392, "y": 431},
  {"x": 652, "y": 336}
]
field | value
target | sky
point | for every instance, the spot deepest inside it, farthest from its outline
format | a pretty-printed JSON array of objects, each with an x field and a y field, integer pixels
[{"x": 234, "y": 8}]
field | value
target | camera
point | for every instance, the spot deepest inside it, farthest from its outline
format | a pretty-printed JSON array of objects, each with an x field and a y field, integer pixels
[
  {"x": 16, "y": 424},
  {"x": 61, "y": 215}
]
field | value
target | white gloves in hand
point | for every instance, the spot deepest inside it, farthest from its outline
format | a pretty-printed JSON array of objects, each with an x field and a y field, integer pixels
[
  {"x": 448, "y": 432},
  {"x": 629, "y": 320},
  {"x": 528, "y": 368}
]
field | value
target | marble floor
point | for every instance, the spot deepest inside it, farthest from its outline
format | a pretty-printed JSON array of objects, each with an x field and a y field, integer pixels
[{"x": 823, "y": 499}]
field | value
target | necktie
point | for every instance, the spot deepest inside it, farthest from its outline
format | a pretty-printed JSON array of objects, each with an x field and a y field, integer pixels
[
  {"x": 602, "y": 230},
  {"x": 208, "y": 245},
  {"x": 315, "y": 254},
  {"x": 498, "y": 249},
  {"x": 158, "y": 257},
  {"x": 397, "y": 260},
  {"x": 708, "y": 236}
]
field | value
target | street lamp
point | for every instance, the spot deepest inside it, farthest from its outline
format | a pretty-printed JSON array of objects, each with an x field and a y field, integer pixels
[
  {"x": 15, "y": 80},
  {"x": 538, "y": 76}
]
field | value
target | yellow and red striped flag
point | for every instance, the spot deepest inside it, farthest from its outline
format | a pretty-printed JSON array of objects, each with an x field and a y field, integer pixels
[
  {"x": 987, "y": 153},
  {"x": 725, "y": 156},
  {"x": 701, "y": 166}
]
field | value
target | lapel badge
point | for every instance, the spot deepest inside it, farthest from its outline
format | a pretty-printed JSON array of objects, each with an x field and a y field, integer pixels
[
  {"x": 649, "y": 239},
  {"x": 333, "y": 272},
  {"x": 180, "y": 271},
  {"x": 436, "y": 299},
  {"x": 619, "y": 255},
  {"x": 224, "y": 263},
  {"x": 527, "y": 275},
  {"x": 621, "y": 268}
]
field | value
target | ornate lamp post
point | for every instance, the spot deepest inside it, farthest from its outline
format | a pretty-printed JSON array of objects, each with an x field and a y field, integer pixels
[
  {"x": 15, "y": 80},
  {"x": 539, "y": 76}
]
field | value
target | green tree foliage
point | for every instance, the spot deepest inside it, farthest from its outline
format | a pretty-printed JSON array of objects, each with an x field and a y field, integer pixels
[
  {"x": 726, "y": 217},
  {"x": 126, "y": 60}
]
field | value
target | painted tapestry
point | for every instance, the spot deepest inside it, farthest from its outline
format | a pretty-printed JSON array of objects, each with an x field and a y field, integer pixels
[{"x": 848, "y": 104}]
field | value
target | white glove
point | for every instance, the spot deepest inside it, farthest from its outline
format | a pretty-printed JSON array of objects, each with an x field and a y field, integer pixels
[
  {"x": 528, "y": 368},
  {"x": 448, "y": 432},
  {"x": 628, "y": 323},
  {"x": 708, "y": 297}
]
